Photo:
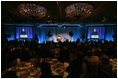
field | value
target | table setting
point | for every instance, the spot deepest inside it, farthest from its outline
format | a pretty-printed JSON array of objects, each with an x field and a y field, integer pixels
[{"x": 28, "y": 69}]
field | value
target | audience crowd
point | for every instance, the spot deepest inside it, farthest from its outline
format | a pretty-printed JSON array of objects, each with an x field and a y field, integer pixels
[{"x": 89, "y": 59}]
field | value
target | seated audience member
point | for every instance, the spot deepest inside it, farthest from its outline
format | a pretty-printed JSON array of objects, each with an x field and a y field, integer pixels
[
  {"x": 25, "y": 54},
  {"x": 64, "y": 55},
  {"x": 74, "y": 68},
  {"x": 105, "y": 67},
  {"x": 45, "y": 69},
  {"x": 11, "y": 74},
  {"x": 83, "y": 62},
  {"x": 90, "y": 65}
]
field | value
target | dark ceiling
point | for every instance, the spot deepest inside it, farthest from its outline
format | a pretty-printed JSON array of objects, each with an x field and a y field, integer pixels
[{"x": 103, "y": 10}]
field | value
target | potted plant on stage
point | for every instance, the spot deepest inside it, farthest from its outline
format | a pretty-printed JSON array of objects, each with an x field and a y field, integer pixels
[{"x": 71, "y": 34}]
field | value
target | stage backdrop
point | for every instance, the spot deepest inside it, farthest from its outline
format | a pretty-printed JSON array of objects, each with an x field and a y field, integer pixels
[
  {"x": 110, "y": 31},
  {"x": 63, "y": 32},
  {"x": 9, "y": 30},
  {"x": 14, "y": 31}
]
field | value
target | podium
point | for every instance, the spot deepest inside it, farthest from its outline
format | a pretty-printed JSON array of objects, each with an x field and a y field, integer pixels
[
  {"x": 94, "y": 36},
  {"x": 23, "y": 36}
]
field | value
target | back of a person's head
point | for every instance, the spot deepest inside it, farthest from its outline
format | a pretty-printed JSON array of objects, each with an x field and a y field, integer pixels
[
  {"x": 89, "y": 53},
  {"x": 105, "y": 59}
]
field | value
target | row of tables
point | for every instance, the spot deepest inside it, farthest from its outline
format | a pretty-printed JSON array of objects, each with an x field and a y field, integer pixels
[{"x": 27, "y": 69}]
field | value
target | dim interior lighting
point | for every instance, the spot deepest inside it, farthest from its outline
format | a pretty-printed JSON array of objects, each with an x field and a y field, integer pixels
[
  {"x": 40, "y": 25},
  {"x": 48, "y": 16},
  {"x": 59, "y": 25},
  {"x": 79, "y": 9},
  {"x": 32, "y": 10},
  {"x": 47, "y": 25},
  {"x": 19, "y": 24},
  {"x": 64, "y": 27},
  {"x": 98, "y": 24},
  {"x": 71, "y": 25}
]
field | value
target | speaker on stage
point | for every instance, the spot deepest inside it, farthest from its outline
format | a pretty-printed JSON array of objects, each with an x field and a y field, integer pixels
[
  {"x": 23, "y": 31},
  {"x": 59, "y": 38}
]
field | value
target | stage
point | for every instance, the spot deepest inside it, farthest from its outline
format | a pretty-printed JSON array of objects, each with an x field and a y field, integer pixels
[{"x": 51, "y": 32}]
